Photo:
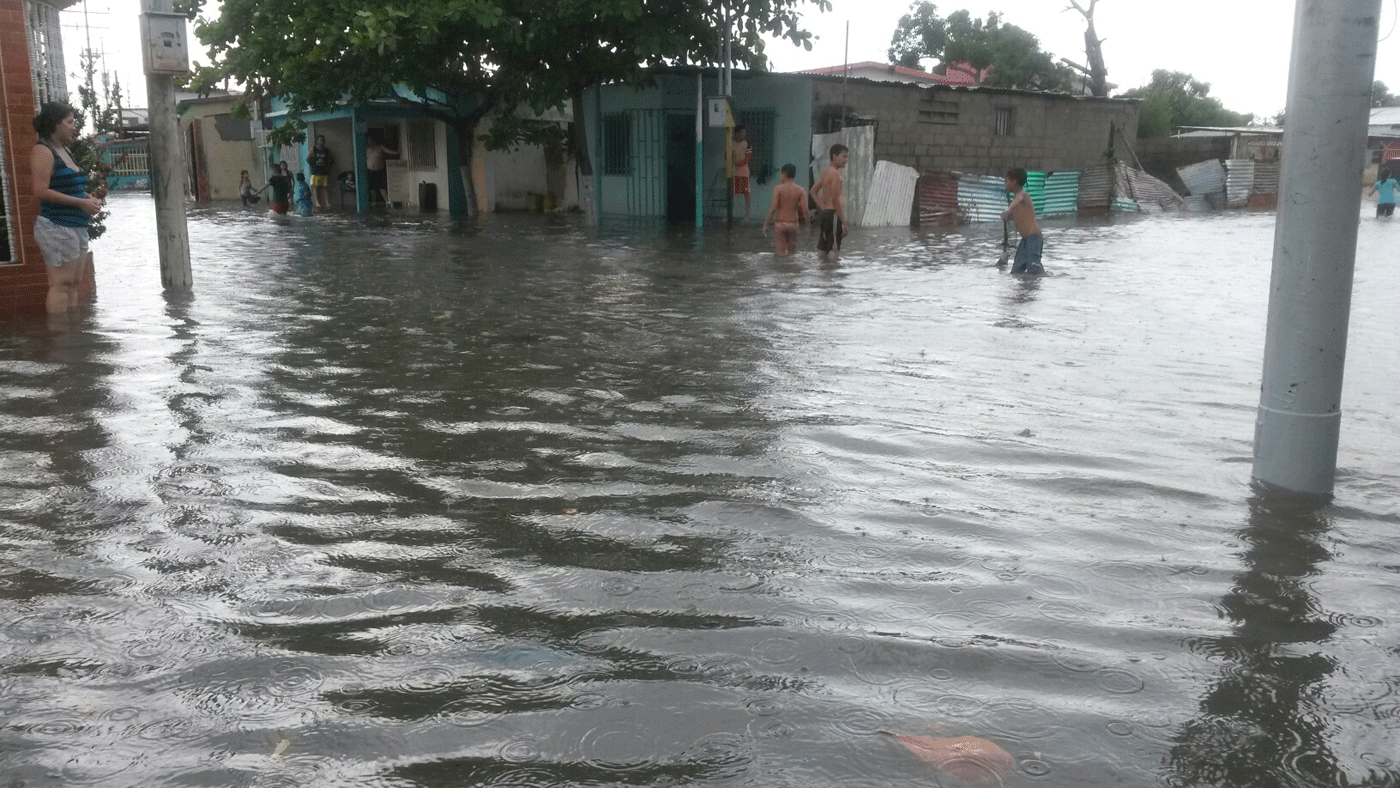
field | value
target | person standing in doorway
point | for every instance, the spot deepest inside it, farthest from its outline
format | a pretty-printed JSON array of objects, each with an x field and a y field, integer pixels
[
  {"x": 1385, "y": 186},
  {"x": 1022, "y": 212},
  {"x": 829, "y": 194},
  {"x": 375, "y": 155},
  {"x": 741, "y": 154},
  {"x": 320, "y": 161},
  {"x": 65, "y": 208},
  {"x": 789, "y": 208}
]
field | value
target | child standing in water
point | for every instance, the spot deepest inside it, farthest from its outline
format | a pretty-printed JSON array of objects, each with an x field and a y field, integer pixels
[
  {"x": 246, "y": 192},
  {"x": 1385, "y": 186},
  {"x": 1022, "y": 212},
  {"x": 830, "y": 196},
  {"x": 303, "y": 195},
  {"x": 790, "y": 207}
]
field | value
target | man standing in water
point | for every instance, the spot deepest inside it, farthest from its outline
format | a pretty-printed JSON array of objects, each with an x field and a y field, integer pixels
[
  {"x": 375, "y": 155},
  {"x": 830, "y": 196},
  {"x": 1022, "y": 212}
]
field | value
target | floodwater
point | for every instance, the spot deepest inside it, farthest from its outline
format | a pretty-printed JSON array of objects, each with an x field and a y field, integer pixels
[{"x": 392, "y": 502}]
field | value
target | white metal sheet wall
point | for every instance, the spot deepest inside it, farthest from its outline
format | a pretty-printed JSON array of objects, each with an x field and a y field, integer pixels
[{"x": 891, "y": 198}]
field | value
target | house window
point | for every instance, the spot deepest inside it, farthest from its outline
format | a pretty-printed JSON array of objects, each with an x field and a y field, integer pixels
[
  {"x": 760, "y": 127},
  {"x": 941, "y": 113},
  {"x": 422, "y": 144},
  {"x": 1005, "y": 122},
  {"x": 617, "y": 144}
]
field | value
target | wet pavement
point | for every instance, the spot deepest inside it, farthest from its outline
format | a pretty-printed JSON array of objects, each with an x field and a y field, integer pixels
[{"x": 397, "y": 502}]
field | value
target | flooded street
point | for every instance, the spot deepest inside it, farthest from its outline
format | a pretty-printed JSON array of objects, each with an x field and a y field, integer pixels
[{"x": 388, "y": 502}]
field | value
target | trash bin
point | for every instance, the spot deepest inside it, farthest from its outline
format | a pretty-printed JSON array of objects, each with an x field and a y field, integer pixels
[{"x": 427, "y": 196}]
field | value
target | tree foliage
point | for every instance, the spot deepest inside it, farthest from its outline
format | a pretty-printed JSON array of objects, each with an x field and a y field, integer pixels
[
  {"x": 1381, "y": 97},
  {"x": 1174, "y": 99},
  {"x": 1012, "y": 55},
  {"x": 460, "y": 60}
]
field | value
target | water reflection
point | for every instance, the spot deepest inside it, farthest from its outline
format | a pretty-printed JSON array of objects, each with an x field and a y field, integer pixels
[
  {"x": 1267, "y": 721},
  {"x": 398, "y": 501}
]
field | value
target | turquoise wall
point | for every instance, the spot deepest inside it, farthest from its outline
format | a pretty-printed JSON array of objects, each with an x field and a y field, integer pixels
[{"x": 788, "y": 96}]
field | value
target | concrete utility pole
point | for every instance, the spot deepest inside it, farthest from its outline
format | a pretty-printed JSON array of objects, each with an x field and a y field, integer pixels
[
  {"x": 1324, "y": 143},
  {"x": 165, "y": 53}
]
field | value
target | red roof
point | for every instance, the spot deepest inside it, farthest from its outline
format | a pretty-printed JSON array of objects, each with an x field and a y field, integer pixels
[{"x": 955, "y": 78}]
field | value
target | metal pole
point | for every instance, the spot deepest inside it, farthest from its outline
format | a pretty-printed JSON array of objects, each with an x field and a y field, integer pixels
[
  {"x": 845, "y": 72},
  {"x": 699, "y": 147},
  {"x": 1329, "y": 91},
  {"x": 167, "y": 173}
]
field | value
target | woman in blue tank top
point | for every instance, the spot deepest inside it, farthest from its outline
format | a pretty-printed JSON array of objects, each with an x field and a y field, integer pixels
[{"x": 65, "y": 208}]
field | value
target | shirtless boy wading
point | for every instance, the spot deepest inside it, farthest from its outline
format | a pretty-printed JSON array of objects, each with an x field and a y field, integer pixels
[
  {"x": 789, "y": 207},
  {"x": 830, "y": 197}
]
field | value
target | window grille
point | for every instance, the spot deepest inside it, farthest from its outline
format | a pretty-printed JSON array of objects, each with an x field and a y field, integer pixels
[
  {"x": 46, "y": 53},
  {"x": 1005, "y": 122},
  {"x": 617, "y": 145},
  {"x": 422, "y": 144},
  {"x": 760, "y": 127}
]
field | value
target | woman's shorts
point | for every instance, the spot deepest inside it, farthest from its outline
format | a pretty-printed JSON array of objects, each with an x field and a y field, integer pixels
[
  {"x": 61, "y": 245},
  {"x": 320, "y": 180}
]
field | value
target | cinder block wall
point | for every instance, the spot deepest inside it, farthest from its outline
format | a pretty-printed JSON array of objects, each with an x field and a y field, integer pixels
[
  {"x": 941, "y": 129},
  {"x": 23, "y": 281}
]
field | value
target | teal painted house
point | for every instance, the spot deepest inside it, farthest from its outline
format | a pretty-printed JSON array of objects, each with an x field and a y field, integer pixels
[{"x": 642, "y": 143}]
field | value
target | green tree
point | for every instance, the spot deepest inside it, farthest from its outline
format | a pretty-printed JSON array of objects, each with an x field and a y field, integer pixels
[
  {"x": 1174, "y": 99},
  {"x": 1380, "y": 95},
  {"x": 1011, "y": 55},
  {"x": 460, "y": 60}
]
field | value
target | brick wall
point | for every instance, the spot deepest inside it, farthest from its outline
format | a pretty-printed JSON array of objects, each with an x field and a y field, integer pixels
[
  {"x": 943, "y": 129},
  {"x": 23, "y": 283}
]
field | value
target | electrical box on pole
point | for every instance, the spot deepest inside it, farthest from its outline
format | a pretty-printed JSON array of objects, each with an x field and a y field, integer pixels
[
  {"x": 165, "y": 45},
  {"x": 717, "y": 110}
]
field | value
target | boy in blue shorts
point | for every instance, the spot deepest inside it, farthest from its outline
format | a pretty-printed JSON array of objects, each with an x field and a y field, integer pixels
[{"x": 1022, "y": 212}]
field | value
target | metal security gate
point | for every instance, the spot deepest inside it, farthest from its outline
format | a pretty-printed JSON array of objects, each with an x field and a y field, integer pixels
[{"x": 646, "y": 181}]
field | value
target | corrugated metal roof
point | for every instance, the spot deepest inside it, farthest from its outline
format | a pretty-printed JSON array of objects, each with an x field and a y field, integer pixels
[
  {"x": 938, "y": 198},
  {"x": 890, "y": 201},
  {"x": 1061, "y": 194},
  {"x": 1239, "y": 181},
  {"x": 981, "y": 198},
  {"x": 1203, "y": 177},
  {"x": 1385, "y": 116}
]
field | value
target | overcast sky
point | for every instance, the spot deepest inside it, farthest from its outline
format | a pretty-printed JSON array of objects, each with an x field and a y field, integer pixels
[{"x": 1240, "y": 47}]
